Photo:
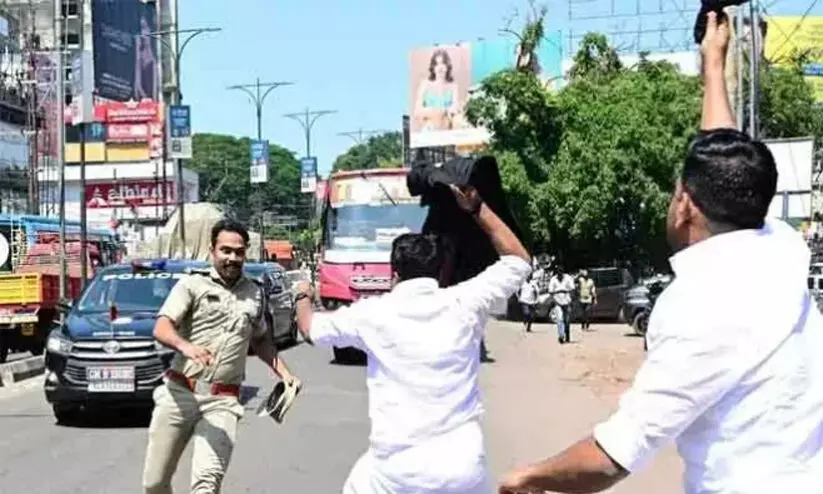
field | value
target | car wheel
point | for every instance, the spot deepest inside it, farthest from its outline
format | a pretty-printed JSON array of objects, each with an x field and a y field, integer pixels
[{"x": 4, "y": 347}]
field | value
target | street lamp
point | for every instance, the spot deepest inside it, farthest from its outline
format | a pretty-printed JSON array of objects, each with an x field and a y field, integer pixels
[
  {"x": 258, "y": 98},
  {"x": 359, "y": 135},
  {"x": 176, "y": 53},
  {"x": 307, "y": 119}
]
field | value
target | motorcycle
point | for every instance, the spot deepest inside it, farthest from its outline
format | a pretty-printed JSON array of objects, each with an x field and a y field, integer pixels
[{"x": 642, "y": 321}]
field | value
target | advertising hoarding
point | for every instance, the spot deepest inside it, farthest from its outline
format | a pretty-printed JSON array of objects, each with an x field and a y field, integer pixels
[
  {"x": 259, "y": 166},
  {"x": 132, "y": 193},
  {"x": 131, "y": 111},
  {"x": 125, "y": 55},
  {"x": 794, "y": 159},
  {"x": 308, "y": 174},
  {"x": 788, "y": 36},
  {"x": 443, "y": 78}
]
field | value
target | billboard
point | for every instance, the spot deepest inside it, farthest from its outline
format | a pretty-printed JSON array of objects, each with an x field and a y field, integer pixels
[
  {"x": 125, "y": 56},
  {"x": 374, "y": 190},
  {"x": 131, "y": 193},
  {"x": 794, "y": 159},
  {"x": 788, "y": 36},
  {"x": 443, "y": 77}
]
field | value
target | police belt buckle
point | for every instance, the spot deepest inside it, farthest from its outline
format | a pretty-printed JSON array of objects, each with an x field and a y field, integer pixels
[
  {"x": 202, "y": 387},
  {"x": 280, "y": 400}
]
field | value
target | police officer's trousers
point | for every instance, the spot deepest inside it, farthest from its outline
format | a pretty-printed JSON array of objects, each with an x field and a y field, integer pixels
[{"x": 178, "y": 416}]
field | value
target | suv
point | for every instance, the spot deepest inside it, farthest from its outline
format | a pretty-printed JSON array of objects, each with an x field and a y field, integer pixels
[
  {"x": 104, "y": 352},
  {"x": 280, "y": 316}
]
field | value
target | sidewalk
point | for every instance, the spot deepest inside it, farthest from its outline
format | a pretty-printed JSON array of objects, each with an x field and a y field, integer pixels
[{"x": 541, "y": 397}]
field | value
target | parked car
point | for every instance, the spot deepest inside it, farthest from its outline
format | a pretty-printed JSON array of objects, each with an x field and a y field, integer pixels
[
  {"x": 280, "y": 315},
  {"x": 638, "y": 300}
]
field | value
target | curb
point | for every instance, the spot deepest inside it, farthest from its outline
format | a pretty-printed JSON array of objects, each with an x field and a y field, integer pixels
[{"x": 20, "y": 370}]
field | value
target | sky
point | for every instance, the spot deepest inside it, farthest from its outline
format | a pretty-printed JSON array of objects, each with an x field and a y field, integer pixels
[{"x": 352, "y": 56}]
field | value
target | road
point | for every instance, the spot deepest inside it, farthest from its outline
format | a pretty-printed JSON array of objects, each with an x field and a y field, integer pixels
[{"x": 539, "y": 398}]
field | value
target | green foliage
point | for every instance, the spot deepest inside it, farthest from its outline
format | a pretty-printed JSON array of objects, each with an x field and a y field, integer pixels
[
  {"x": 381, "y": 151},
  {"x": 223, "y": 164},
  {"x": 787, "y": 104}
]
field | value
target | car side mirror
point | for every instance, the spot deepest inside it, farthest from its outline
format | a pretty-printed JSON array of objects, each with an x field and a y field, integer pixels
[{"x": 64, "y": 305}]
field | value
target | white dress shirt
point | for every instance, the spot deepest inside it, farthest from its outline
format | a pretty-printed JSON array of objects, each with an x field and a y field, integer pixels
[
  {"x": 423, "y": 347},
  {"x": 734, "y": 371},
  {"x": 561, "y": 289},
  {"x": 528, "y": 293}
]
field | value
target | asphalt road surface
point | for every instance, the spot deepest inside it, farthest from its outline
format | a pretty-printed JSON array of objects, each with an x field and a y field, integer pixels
[{"x": 539, "y": 397}]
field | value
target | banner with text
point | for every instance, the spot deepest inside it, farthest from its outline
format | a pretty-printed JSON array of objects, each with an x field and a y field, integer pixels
[
  {"x": 259, "y": 169},
  {"x": 308, "y": 175},
  {"x": 131, "y": 194},
  {"x": 180, "y": 132}
]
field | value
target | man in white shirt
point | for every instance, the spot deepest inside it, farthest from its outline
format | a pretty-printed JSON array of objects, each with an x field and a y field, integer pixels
[
  {"x": 528, "y": 299},
  {"x": 733, "y": 373},
  {"x": 561, "y": 287},
  {"x": 423, "y": 343}
]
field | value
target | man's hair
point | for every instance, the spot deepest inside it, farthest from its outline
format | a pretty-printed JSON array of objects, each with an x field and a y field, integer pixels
[
  {"x": 414, "y": 255},
  {"x": 229, "y": 225},
  {"x": 730, "y": 178}
]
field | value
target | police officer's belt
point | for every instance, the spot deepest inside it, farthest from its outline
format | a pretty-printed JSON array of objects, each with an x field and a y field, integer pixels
[{"x": 201, "y": 387}]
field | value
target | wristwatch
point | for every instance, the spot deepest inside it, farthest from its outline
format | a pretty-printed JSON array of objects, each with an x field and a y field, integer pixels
[
  {"x": 300, "y": 296},
  {"x": 476, "y": 211}
]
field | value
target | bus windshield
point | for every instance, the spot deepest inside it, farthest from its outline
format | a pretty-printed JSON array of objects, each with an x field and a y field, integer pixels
[{"x": 371, "y": 228}]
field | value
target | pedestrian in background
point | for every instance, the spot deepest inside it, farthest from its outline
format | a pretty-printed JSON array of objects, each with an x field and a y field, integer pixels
[
  {"x": 210, "y": 318},
  {"x": 528, "y": 300},
  {"x": 587, "y": 296},
  {"x": 733, "y": 373},
  {"x": 422, "y": 343},
  {"x": 561, "y": 287}
]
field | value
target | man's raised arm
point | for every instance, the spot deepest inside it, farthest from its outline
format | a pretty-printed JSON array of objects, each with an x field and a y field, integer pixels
[{"x": 717, "y": 110}]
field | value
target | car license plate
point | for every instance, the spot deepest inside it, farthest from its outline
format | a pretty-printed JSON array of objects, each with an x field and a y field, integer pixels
[
  {"x": 110, "y": 379},
  {"x": 27, "y": 329}
]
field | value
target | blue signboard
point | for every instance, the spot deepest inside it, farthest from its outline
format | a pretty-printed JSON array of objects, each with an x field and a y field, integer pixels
[
  {"x": 259, "y": 151},
  {"x": 180, "y": 121},
  {"x": 308, "y": 174}
]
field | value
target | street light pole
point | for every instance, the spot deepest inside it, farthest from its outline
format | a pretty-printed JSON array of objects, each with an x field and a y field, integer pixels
[
  {"x": 359, "y": 135},
  {"x": 61, "y": 128},
  {"x": 258, "y": 98},
  {"x": 177, "y": 98},
  {"x": 307, "y": 119}
]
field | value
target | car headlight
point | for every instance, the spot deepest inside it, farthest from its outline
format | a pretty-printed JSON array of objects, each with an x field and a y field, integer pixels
[
  {"x": 59, "y": 343},
  {"x": 161, "y": 348}
]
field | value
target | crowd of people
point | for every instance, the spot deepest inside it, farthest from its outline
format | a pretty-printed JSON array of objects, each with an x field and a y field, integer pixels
[{"x": 739, "y": 390}]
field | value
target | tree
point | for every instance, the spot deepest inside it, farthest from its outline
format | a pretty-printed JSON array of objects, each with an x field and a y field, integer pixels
[
  {"x": 223, "y": 164},
  {"x": 381, "y": 151}
]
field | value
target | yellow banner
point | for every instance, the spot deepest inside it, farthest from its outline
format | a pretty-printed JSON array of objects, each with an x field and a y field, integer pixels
[
  {"x": 790, "y": 36},
  {"x": 127, "y": 152},
  {"x": 95, "y": 152}
]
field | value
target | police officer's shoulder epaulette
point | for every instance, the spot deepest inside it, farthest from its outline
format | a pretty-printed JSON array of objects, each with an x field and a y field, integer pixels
[
  {"x": 200, "y": 271},
  {"x": 256, "y": 281}
]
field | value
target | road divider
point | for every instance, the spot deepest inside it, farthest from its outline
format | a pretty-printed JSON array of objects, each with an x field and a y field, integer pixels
[{"x": 20, "y": 370}]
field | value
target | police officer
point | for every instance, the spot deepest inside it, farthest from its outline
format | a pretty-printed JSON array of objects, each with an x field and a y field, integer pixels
[{"x": 210, "y": 318}]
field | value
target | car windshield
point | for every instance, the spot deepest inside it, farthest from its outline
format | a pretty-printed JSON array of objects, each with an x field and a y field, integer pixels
[
  {"x": 372, "y": 228},
  {"x": 128, "y": 291}
]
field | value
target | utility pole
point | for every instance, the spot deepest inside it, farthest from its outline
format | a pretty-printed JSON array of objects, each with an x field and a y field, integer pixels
[
  {"x": 359, "y": 135},
  {"x": 258, "y": 98},
  {"x": 61, "y": 130},
  {"x": 738, "y": 48},
  {"x": 84, "y": 265},
  {"x": 176, "y": 53},
  {"x": 754, "y": 68}
]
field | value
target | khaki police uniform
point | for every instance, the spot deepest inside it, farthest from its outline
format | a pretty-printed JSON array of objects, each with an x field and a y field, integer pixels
[{"x": 223, "y": 320}]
